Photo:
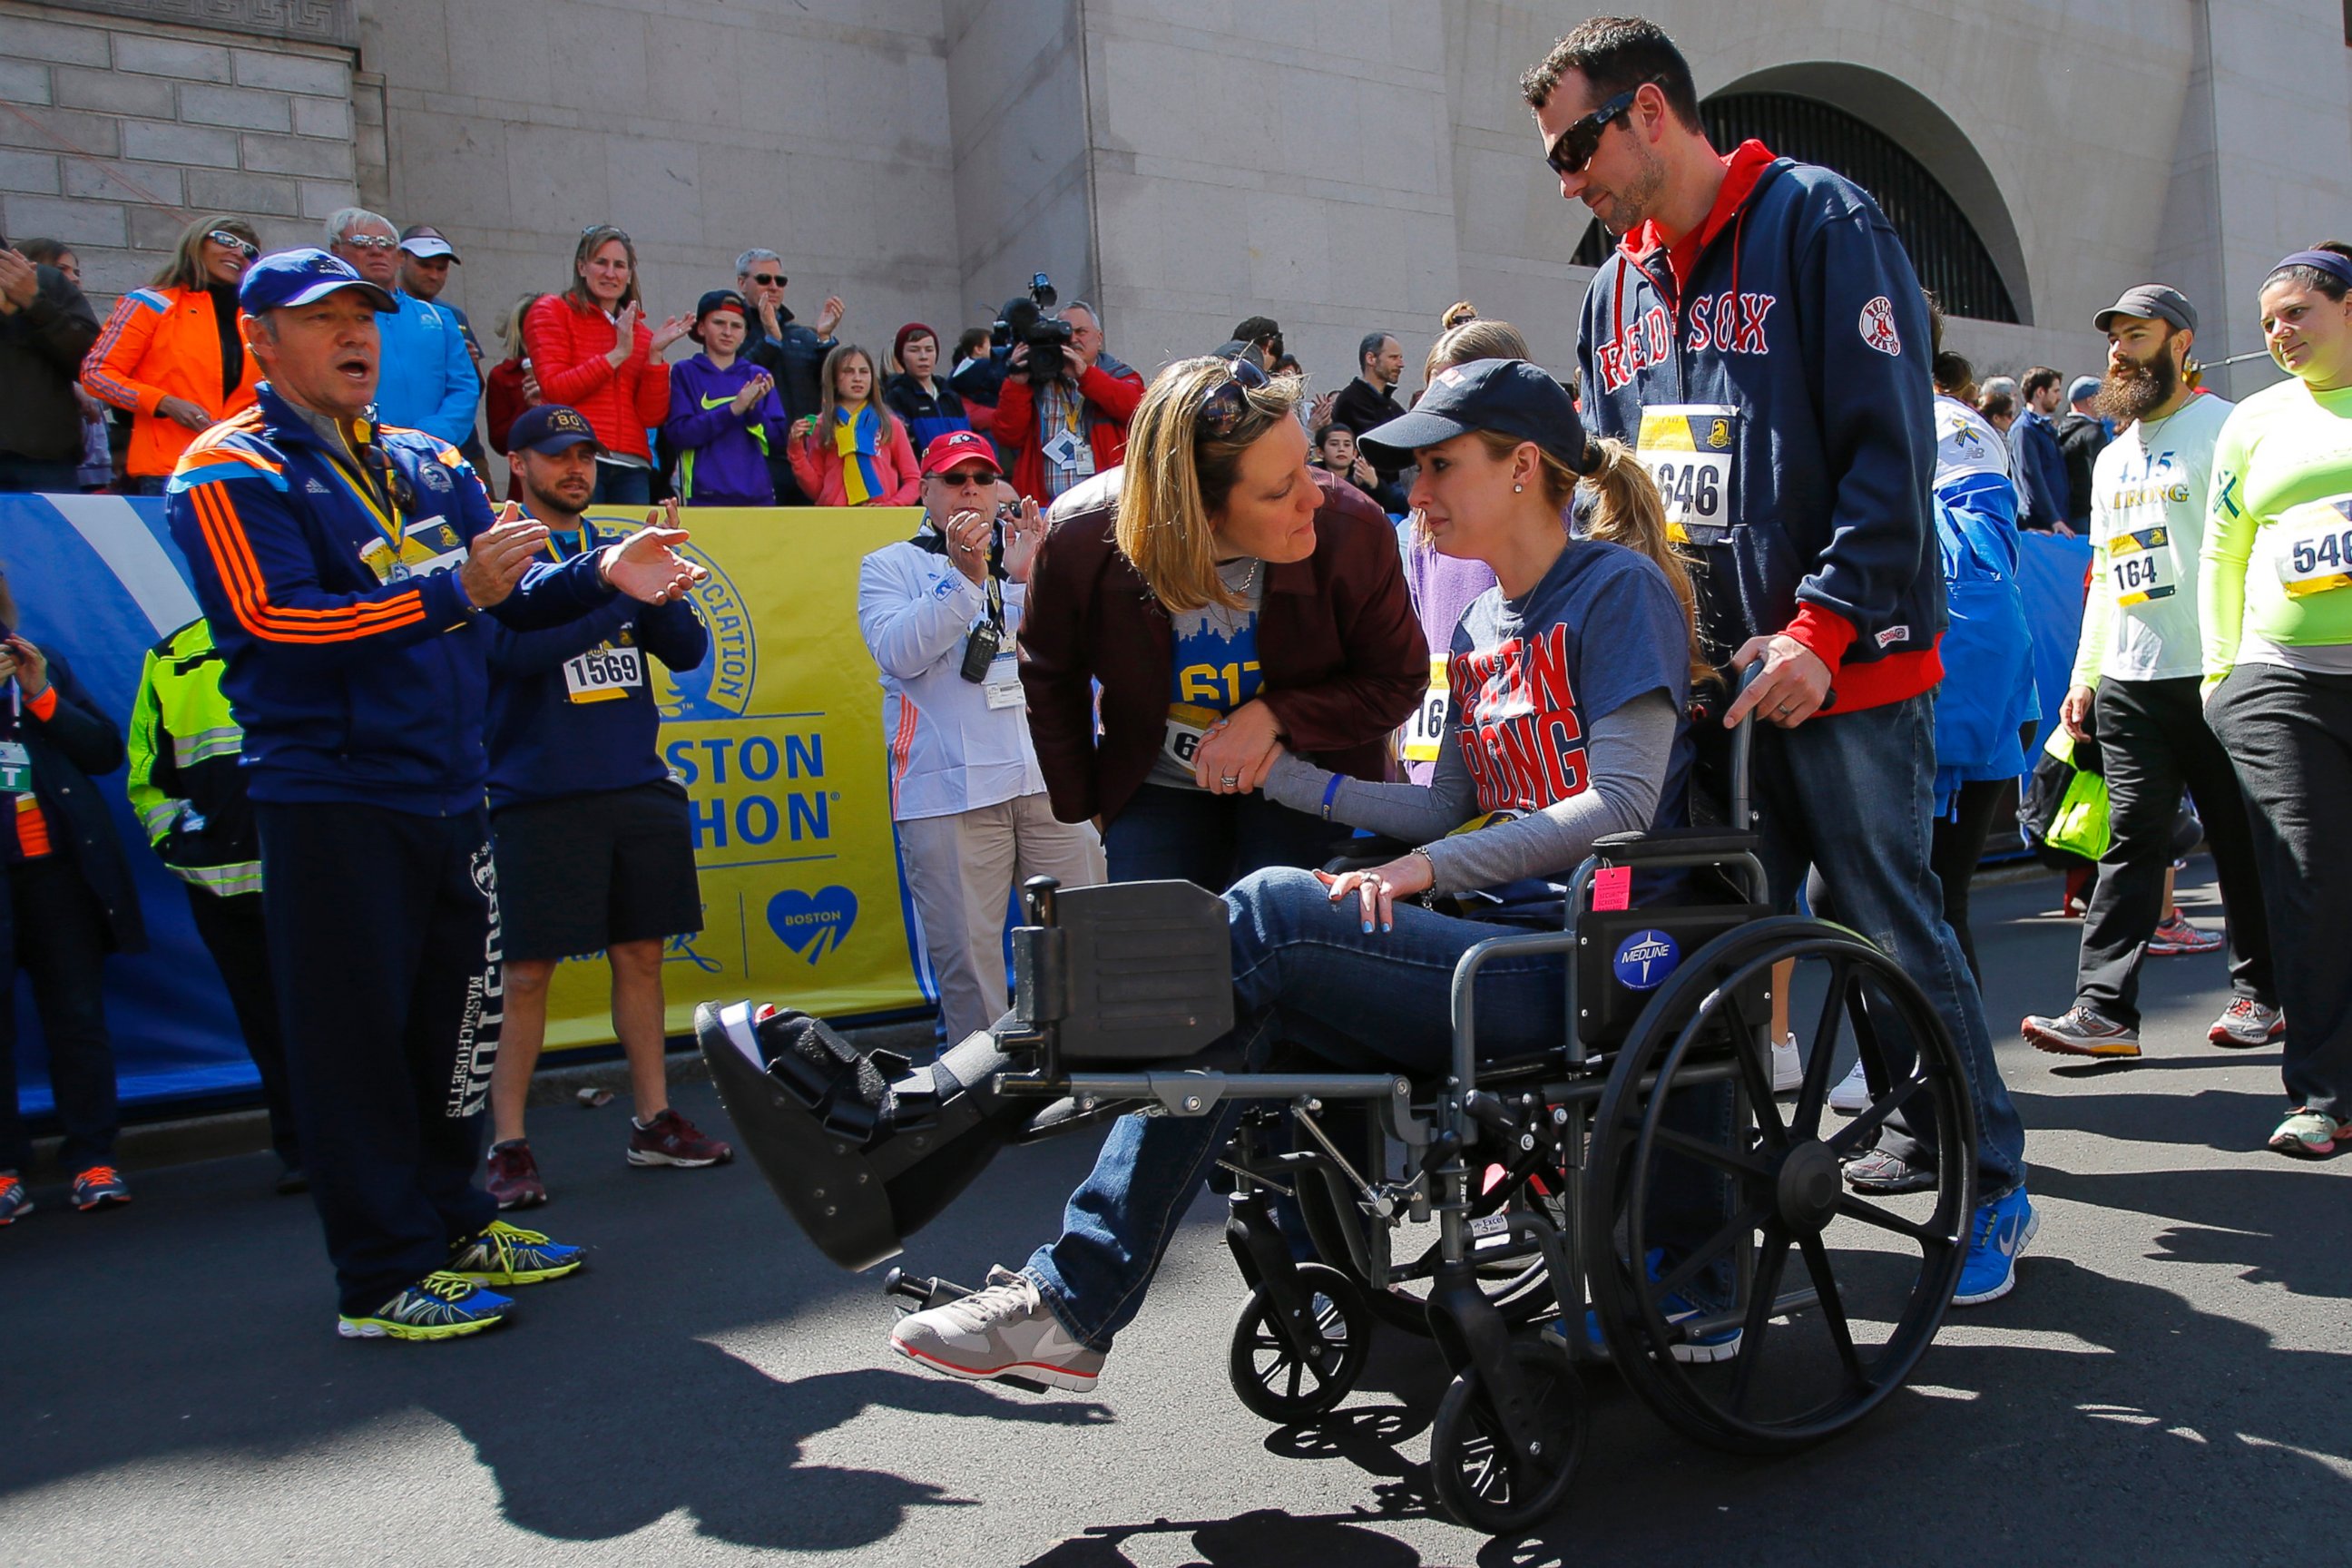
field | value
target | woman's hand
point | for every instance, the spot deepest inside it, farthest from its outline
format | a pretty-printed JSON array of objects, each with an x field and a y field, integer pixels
[
  {"x": 1377, "y": 890},
  {"x": 531, "y": 398},
  {"x": 1319, "y": 411},
  {"x": 1239, "y": 750},
  {"x": 1024, "y": 532},
  {"x": 180, "y": 411},
  {"x": 625, "y": 335},
  {"x": 668, "y": 332}
]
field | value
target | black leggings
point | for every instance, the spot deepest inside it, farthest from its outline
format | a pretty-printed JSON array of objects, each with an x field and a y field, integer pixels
[{"x": 1956, "y": 848}]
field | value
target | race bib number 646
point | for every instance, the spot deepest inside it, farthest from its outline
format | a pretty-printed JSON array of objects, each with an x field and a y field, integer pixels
[{"x": 1689, "y": 448}]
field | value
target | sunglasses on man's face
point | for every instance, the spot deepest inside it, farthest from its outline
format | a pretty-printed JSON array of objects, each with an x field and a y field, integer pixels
[
  {"x": 964, "y": 478},
  {"x": 244, "y": 247},
  {"x": 1575, "y": 146},
  {"x": 1223, "y": 408},
  {"x": 770, "y": 280},
  {"x": 368, "y": 242}
]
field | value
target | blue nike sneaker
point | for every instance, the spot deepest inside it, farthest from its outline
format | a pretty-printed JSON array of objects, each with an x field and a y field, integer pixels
[
  {"x": 1720, "y": 1345},
  {"x": 2003, "y": 1230}
]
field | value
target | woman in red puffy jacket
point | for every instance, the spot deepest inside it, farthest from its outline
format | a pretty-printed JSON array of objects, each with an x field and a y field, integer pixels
[{"x": 590, "y": 349}]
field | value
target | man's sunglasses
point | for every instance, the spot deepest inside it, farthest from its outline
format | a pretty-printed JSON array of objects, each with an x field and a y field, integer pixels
[
  {"x": 1223, "y": 408},
  {"x": 368, "y": 242},
  {"x": 958, "y": 478},
  {"x": 244, "y": 247},
  {"x": 1575, "y": 146},
  {"x": 769, "y": 279}
]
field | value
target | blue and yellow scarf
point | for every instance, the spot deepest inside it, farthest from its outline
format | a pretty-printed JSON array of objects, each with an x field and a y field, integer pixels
[{"x": 858, "y": 439}]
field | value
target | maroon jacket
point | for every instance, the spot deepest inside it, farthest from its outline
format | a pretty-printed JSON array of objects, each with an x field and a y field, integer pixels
[{"x": 1342, "y": 657}]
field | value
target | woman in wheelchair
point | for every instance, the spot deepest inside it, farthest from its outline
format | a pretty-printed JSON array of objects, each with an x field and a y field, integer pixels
[{"x": 1567, "y": 722}]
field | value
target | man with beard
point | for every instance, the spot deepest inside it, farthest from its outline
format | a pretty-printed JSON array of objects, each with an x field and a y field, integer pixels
[
  {"x": 2137, "y": 671},
  {"x": 1759, "y": 334}
]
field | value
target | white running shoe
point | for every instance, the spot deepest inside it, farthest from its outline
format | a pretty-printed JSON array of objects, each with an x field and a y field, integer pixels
[
  {"x": 1851, "y": 1095},
  {"x": 1787, "y": 1067},
  {"x": 1003, "y": 1331}
]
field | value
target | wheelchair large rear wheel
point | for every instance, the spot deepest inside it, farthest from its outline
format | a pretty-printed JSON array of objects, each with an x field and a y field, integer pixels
[
  {"x": 1477, "y": 1478},
  {"x": 1275, "y": 1381},
  {"x": 1751, "y": 1298}
]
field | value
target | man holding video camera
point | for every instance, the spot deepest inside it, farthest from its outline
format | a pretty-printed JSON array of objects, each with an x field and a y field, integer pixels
[
  {"x": 1062, "y": 417},
  {"x": 939, "y": 611}
]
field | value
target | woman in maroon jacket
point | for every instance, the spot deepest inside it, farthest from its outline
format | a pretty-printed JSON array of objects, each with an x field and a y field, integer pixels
[{"x": 1232, "y": 601}]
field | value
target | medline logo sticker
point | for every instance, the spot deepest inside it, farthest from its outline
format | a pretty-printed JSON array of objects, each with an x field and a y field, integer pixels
[{"x": 1645, "y": 960}]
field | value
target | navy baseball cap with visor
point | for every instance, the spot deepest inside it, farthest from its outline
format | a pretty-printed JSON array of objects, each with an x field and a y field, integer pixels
[
  {"x": 1509, "y": 396},
  {"x": 550, "y": 429},
  {"x": 293, "y": 277}
]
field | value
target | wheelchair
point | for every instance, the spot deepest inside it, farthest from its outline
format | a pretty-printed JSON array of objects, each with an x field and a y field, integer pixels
[{"x": 1632, "y": 1196}]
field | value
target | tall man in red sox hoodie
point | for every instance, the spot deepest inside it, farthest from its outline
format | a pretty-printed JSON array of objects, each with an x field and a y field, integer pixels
[{"x": 1760, "y": 334}]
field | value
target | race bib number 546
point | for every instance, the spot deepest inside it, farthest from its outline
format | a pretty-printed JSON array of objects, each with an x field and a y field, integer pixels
[{"x": 2311, "y": 547}]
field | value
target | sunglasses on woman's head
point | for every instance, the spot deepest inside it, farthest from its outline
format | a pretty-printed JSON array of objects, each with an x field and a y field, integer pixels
[
  {"x": 1223, "y": 408},
  {"x": 245, "y": 247},
  {"x": 1575, "y": 146}
]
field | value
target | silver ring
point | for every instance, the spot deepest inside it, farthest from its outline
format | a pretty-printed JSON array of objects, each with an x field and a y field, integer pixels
[{"x": 1229, "y": 778}]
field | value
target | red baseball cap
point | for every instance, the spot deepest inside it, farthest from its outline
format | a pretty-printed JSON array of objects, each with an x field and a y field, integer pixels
[{"x": 955, "y": 449}]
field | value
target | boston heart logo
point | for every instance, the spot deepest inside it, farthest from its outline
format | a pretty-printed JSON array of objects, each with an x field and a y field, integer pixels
[{"x": 812, "y": 924}]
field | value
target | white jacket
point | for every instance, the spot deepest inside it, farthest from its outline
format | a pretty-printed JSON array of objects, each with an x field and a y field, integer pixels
[{"x": 950, "y": 750}]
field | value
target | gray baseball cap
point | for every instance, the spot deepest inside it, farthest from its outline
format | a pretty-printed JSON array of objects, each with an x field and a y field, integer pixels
[
  {"x": 2081, "y": 387},
  {"x": 2153, "y": 302}
]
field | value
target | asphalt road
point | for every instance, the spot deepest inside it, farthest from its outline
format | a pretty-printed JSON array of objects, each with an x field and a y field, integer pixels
[{"x": 2171, "y": 1382}]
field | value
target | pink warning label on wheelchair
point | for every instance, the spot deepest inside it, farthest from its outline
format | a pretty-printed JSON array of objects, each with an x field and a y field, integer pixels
[{"x": 1613, "y": 887}]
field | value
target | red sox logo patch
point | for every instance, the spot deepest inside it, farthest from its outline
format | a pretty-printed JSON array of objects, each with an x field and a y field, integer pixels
[{"x": 1878, "y": 326}]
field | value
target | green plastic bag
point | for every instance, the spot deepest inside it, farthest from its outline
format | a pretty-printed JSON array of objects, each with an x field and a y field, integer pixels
[{"x": 2081, "y": 825}]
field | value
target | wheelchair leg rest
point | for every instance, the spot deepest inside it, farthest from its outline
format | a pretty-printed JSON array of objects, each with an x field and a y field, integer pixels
[{"x": 1263, "y": 1253}]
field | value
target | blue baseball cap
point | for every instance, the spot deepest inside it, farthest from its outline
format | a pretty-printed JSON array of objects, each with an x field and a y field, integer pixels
[
  {"x": 550, "y": 429},
  {"x": 299, "y": 277},
  {"x": 1509, "y": 396}
]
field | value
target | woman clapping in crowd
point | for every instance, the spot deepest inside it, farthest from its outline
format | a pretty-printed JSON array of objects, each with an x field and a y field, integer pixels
[{"x": 589, "y": 348}]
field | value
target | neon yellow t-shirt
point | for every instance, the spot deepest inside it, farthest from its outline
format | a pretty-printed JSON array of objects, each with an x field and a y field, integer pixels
[{"x": 2274, "y": 578}]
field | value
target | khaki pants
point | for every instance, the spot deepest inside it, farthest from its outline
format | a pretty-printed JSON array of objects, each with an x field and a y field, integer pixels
[{"x": 961, "y": 869}]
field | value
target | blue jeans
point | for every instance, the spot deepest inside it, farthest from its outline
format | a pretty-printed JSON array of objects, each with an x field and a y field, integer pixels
[
  {"x": 1852, "y": 796},
  {"x": 617, "y": 484},
  {"x": 1304, "y": 972},
  {"x": 1167, "y": 833}
]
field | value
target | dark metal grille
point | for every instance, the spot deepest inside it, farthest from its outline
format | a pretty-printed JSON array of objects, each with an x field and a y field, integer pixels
[{"x": 1943, "y": 245}]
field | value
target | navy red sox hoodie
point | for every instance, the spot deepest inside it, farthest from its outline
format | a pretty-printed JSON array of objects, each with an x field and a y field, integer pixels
[{"x": 1773, "y": 367}]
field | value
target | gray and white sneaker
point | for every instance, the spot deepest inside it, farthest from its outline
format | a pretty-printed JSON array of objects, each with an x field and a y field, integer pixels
[
  {"x": 2246, "y": 1023},
  {"x": 1787, "y": 1067},
  {"x": 2079, "y": 1032},
  {"x": 1003, "y": 1331},
  {"x": 1851, "y": 1095}
]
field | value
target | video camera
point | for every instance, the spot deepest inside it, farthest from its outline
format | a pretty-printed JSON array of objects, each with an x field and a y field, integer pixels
[{"x": 1029, "y": 319}]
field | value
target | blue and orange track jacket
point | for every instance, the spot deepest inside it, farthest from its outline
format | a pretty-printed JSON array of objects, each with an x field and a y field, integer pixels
[{"x": 355, "y": 665}]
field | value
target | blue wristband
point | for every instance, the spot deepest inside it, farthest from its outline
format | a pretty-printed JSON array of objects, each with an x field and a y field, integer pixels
[{"x": 1331, "y": 791}]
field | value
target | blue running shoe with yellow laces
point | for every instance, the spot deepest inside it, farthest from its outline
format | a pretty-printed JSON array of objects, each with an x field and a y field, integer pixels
[
  {"x": 437, "y": 1307},
  {"x": 505, "y": 1254},
  {"x": 2003, "y": 1229}
]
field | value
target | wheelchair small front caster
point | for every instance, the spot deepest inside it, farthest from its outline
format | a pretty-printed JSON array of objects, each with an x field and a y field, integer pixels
[
  {"x": 1479, "y": 1479},
  {"x": 1270, "y": 1374}
]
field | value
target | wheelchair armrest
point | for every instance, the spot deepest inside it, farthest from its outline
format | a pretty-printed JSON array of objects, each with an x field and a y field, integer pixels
[{"x": 1674, "y": 843}]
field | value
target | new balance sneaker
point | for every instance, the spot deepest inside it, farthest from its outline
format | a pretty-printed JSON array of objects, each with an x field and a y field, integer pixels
[
  {"x": 1787, "y": 1067},
  {"x": 1005, "y": 1329},
  {"x": 2246, "y": 1023},
  {"x": 504, "y": 1253},
  {"x": 670, "y": 1139},
  {"x": 437, "y": 1307},
  {"x": 1877, "y": 1171},
  {"x": 2176, "y": 937},
  {"x": 2004, "y": 1227},
  {"x": 514, "y": 1175},
  {"x": 99, "y": 1187},
  {"x": 2310, "y": 1134},
  {"x": 16, "y": 1203},
  {"x": 2079, "y": 1032},
  {"x": 1700, "y": 1349},
  {"x": 1851, "y": 1095}
]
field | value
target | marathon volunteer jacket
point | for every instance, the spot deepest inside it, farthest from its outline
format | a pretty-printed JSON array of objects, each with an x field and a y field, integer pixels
[
  {"x": 1344, "y": 660},
  {"x": 160, "y": 343},
  {"x": 354, "y": 663},
  {"x": 571, "y": 707},
  {"x": 186, "y": 784},
  {"x": 1780, "y": 354}
]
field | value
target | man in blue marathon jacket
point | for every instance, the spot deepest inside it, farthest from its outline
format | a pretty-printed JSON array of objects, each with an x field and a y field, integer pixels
[
  {"x": 345, "y": 567},
  {"x": 594, "y": 839},
  {"x": 426, "y": 377},
  {"x": 1759, "y": 334}
]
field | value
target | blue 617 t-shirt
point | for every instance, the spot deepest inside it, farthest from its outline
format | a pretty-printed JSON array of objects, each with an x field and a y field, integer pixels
[{"x": 1214, "y": 670}]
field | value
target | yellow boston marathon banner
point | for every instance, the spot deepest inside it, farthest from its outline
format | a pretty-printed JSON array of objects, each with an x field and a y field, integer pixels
[{"x": 778, "y": 741}]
